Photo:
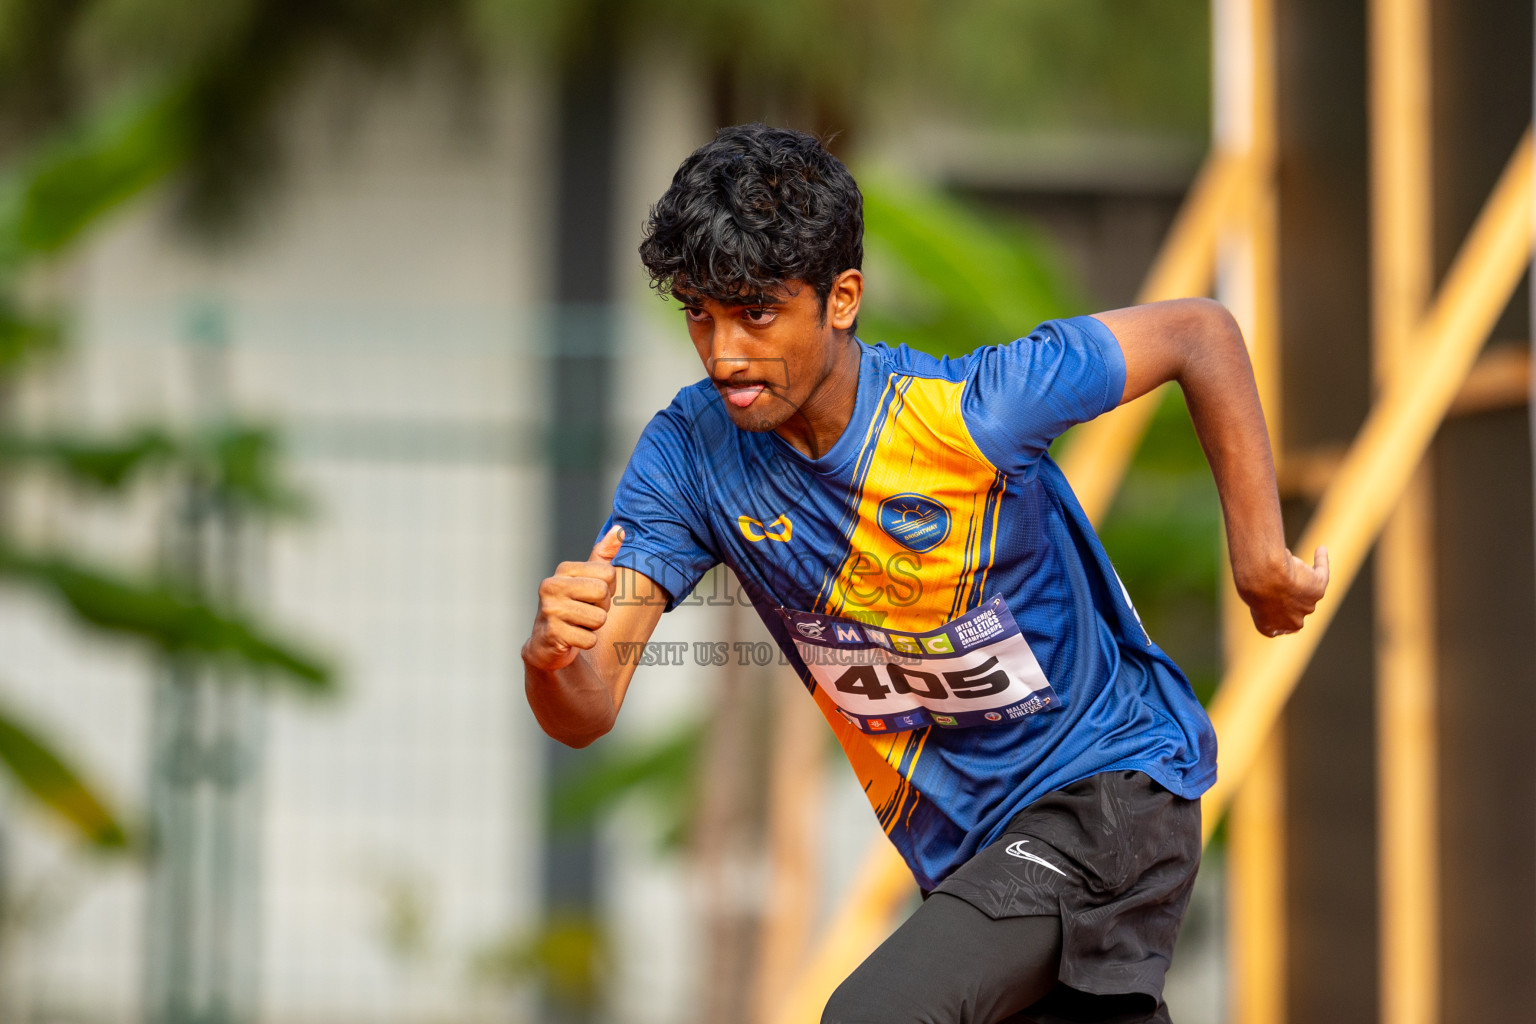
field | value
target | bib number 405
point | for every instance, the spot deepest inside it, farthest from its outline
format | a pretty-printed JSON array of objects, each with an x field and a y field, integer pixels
[{"x": 983, "y": 680}]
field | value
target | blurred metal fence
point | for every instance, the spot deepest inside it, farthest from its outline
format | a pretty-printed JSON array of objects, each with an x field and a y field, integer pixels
[{"x": 387, "y": 838}]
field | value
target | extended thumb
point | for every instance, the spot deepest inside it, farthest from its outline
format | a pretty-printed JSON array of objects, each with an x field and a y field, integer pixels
[{"x": 605, "y": 549}]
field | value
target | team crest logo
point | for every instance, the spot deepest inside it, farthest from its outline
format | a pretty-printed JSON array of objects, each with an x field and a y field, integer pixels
[
  {"x": 993, "y": 716},
  {"x": 914, "y": 521}
]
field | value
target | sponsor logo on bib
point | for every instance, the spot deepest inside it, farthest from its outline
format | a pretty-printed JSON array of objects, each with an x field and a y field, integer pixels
[
  {"x": 914, "y": 521},
  {"x": 972, "y": 671}
]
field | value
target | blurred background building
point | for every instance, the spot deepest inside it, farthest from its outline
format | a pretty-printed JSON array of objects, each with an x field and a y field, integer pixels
[{"x": 323, "y": 338}]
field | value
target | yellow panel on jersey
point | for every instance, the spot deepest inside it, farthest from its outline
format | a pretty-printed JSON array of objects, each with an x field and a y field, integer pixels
[
  {"x": 921, "y": 544},
  {"x": 927, "y": 511}
]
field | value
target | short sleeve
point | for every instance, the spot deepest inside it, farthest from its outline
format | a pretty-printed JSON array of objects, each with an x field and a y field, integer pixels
[
  {"x": 1019, "y": 397},
  {"x": 658, "y": 506}
]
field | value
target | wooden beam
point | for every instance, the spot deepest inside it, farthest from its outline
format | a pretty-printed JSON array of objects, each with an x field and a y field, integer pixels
[{"x": 1500, "y": 379}]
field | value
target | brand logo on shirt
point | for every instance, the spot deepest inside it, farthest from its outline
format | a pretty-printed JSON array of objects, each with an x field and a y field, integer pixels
[
  {"x": 754, "y": 530},
  {"x": 914, "y": 521},
  {"x": 812, "y": 629}
]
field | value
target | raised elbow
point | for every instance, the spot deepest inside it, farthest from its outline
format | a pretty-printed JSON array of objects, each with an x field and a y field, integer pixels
[
  {"x": 1211, "y": 337},
  {"x": 1209, "y": 319}
]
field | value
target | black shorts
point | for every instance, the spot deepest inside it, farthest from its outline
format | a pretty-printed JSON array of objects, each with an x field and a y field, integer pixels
[{"x": 1071, "y": 915}]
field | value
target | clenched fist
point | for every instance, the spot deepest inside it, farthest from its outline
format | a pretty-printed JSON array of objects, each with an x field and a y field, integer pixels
[
  {"x": 573, "y": 605},
  {"x": 1288, "y": 596}
]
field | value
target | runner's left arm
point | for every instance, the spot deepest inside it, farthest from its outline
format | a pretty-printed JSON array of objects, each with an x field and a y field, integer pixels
[{"x": 1197, "y": 343}]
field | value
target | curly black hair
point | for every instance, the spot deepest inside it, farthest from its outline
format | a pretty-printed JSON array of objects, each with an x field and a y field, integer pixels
[{"x": 750, "y": 211}]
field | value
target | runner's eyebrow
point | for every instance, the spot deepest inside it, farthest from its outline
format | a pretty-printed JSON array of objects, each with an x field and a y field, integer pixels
[{"x": 758, "y": 300}]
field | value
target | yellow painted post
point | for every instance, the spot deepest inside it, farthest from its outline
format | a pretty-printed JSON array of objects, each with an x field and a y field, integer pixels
[
  {"x": 1381, "y": 461},
  {"x": 1256, "y": 917},
  {"x": 1407, "y": 761},
  {"x": 795, "y": 806},
  {"x": 1247, "y": 280},
  {"x": 866, "y": 917}
]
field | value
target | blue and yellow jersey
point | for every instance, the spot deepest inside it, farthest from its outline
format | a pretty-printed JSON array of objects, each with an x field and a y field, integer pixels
[{"x": 938, "y": 498}]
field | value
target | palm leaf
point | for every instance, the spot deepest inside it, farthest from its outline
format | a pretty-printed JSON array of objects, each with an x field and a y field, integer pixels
[
  {"x": 178, "y": 622},
  {"x": 86, "y": 172},
  {"x": 23, "y": 336},
  {"x": 239, "y": 462},
  {"x": 44, "y": 773}
]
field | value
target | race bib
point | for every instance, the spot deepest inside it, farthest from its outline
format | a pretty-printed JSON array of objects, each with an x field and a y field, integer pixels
[{"x": 974, "y": 670}]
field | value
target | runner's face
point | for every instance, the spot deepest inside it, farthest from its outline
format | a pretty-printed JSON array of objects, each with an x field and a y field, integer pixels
[{"x": 768, "y": 354}]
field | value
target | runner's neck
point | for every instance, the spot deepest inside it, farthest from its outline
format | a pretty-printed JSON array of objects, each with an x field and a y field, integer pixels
[{"x": 816, "y": 427}]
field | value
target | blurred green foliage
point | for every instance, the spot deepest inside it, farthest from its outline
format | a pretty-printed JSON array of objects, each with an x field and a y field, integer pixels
[
  {"x": 662, "y": 771},
  {"x": 567, "y": 953},
  {"x": 70, "y": 180},
  {"x": 50, "y": 780},
  {"x": 946, "y": 278},
  {"x": 1107, "y": 64},
  {"x": 206, "y": 81},
  {"x": 71, "y": 168}
]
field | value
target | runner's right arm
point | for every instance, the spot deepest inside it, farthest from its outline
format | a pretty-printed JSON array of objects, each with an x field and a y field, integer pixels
[{"x": 573, "y": 674}]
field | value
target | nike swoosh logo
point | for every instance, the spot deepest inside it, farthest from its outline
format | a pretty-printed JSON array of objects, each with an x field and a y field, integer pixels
[{"x": 1017, "y": 850}]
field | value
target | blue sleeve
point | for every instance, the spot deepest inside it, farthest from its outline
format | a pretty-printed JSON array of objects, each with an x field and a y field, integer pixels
[
  {"x": 1019, "y": 397},
  {"x": 658, "y": 505}
]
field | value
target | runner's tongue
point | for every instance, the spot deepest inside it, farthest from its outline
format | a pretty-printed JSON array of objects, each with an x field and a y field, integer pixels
[{"x": 742, "y": 397}]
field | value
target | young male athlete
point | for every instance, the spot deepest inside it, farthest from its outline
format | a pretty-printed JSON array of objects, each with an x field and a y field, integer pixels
[{"x": 898, "y": 524}]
